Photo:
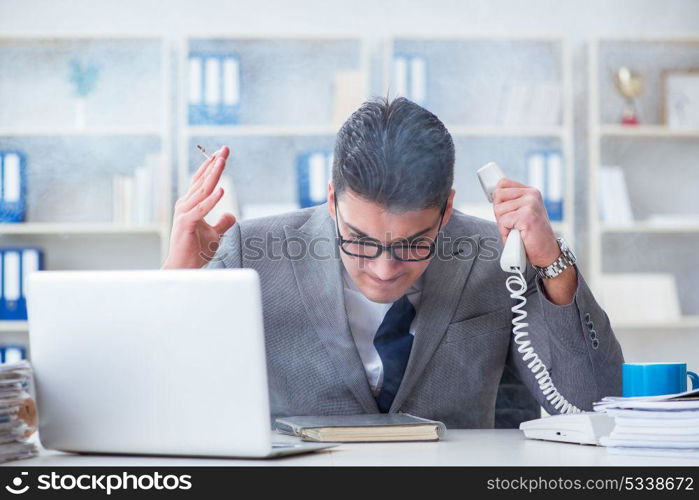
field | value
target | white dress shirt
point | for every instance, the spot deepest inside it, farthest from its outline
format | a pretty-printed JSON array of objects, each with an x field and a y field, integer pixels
[{"x": 365, "y": 317}]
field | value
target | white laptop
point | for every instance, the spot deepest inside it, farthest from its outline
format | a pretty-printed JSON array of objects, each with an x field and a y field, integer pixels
[{"x": 152, "y": 362}]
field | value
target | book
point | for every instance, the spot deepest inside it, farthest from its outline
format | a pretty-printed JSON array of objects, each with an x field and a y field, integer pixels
[
  {"x": 11, "y": 275},
  {"x": 410, "y": 77},
  {"x": 553, "y": 199},
  {"x": 536, "y": 171},
  {"x": 214, "y": 88},
  {"x": 372, "y": 427},
  {"x": 16, "y": 264},
  {"x": 13, "y": 353},
  {"x": 313, "y": 172},
  {"x": 13, "y": 188},
  {"x": 614, "y": 201},
  {"x": 545, "y": 172}
]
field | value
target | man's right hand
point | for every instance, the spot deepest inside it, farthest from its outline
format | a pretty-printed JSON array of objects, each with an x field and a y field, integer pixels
[{"x": 193, "y": 242}]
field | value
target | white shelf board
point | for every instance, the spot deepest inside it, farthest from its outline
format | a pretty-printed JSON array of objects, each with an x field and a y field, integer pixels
[
  {"x": 649, "y": 38},
  {"x": 79, "y": 228},
  {"x": 273, "y": 35},
  {"x": 660, "y": 131},
  {"x": 477, "y": 37},
  {"x": 501, "y": 131},
  {"x": 12, "y": 37},
  {"x": 458, "y": 130},
  {"x": 683, "y": 322},
  {"x": 69, "y": 131},
  {"x": 648, "y": 227},
  {"x": 14, "y": 326},
  {"x": 259, "y": 130}
]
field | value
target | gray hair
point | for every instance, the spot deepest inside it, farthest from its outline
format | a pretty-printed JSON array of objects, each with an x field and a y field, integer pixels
[{"x": 394, "y": 153}]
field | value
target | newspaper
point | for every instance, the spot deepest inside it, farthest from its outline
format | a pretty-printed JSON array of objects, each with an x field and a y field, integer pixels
[{"x": 17, "y": 412}]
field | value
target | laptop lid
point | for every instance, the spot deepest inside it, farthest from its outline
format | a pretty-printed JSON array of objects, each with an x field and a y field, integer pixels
[{"x": 152, "y": 362}]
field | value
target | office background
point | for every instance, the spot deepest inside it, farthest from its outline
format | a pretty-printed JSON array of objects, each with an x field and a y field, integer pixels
[{"x": 98, "y": 111}]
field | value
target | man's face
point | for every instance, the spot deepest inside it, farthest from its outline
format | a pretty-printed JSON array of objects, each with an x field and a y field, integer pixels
[{"x": 384, "y": 279}]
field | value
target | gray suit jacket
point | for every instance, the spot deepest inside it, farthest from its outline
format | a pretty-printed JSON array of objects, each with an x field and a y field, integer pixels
[{"x": 463, "y": 338}]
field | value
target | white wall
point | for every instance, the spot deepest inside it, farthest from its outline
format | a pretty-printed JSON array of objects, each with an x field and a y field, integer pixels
[{"x": 576, "y": 18}]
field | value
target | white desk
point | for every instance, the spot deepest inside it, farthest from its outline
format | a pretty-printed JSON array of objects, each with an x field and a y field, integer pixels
[{"x": 460, "y": 447}]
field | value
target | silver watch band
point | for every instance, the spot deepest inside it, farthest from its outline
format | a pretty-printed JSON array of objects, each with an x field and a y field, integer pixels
[{"x": 565, "y": 260}]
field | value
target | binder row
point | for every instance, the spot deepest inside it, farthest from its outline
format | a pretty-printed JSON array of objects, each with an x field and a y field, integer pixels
[
  {"x": 15, "y": 266},
  {"x": 214, "y": 89},
  {"x": 313, "y": 172},
  {"x": 13, "y": 186},
  {"x": 545, "y": 172},
  {"x": 11, "y": 353}
]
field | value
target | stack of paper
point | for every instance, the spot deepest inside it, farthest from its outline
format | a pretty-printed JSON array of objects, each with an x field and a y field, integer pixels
[
  {"x": 665, "y": 425},
  {"x": 14, "y": 412}
]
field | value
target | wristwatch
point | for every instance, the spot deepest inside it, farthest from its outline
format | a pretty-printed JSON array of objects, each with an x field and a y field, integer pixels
[{"x": 566, "y": 259}]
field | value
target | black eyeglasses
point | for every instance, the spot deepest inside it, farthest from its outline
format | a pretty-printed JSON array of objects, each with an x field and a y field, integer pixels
[{"x": 371, "y": 249}]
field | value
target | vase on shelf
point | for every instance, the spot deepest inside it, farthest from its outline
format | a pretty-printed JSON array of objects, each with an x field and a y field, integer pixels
[
  {"x": 83, "y": 76},
  {"x": 80, "y": 112}
]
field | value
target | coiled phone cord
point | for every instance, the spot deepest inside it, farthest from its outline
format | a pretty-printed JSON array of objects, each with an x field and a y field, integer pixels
[{"x": 517, "y": 286}]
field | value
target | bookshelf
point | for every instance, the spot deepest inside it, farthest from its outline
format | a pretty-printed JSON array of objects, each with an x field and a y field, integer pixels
[
  {"x": 73, "y": 146},
  {"x": 467, "y": 81},
  {"x": 289, "y": 104},
  {"x": 658, "y": 167}
]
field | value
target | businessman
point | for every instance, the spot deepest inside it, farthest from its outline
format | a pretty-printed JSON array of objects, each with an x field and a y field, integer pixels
[{"x": 387, "y": 299}]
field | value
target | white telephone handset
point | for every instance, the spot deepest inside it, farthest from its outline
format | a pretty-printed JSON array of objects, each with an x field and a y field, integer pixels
[
  {"x": 513, "y": 255},
  {"x": 514, "y": 260}
]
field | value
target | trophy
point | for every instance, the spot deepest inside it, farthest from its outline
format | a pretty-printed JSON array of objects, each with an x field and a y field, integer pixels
[{"x": 630, "y": 86}]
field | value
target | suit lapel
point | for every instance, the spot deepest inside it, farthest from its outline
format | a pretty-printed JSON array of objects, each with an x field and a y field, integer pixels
[
  {"x": 319, "y": 278},
  {"x": 444, "y": 282}
]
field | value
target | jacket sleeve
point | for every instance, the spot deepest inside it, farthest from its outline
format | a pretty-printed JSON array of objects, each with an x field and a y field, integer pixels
[
  {"x": 228, "y": 254},
  {"x": 576, "y": 343}
]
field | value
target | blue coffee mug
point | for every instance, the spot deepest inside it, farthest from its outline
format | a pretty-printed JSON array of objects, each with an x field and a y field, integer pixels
[{"x": 655, "y": 379}]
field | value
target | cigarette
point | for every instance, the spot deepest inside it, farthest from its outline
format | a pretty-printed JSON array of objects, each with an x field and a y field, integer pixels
[{"x": 203, "y": 151}]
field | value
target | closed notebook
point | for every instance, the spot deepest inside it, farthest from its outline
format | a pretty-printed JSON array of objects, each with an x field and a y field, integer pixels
[{"x": 361, "y": 428}]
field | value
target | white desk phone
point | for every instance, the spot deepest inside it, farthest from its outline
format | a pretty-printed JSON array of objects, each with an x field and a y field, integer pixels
[{"x": 573, "y": 425}]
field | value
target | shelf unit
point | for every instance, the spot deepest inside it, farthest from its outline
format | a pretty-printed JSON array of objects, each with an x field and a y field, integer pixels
[
  {"x": 468, "y": 106},
  {"x": 70, "y": 165},
  {"x": 283, "y": 111},
  {"x": 686, "y": 322},
  {"x": 44, "y": 228},
  {"x": 638, "y": 149},
  {"x": 13, "y": 326}
]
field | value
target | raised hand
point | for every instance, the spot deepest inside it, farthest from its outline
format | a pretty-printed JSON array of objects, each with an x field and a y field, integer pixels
[{"x": 193, "y": 242}]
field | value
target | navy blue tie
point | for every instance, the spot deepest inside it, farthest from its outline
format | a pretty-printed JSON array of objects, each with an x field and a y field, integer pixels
[{"x": 393, "y": 342}]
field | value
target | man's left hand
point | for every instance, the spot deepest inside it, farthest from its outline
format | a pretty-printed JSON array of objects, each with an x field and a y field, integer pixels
[{"x": 518, "y": 206}]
